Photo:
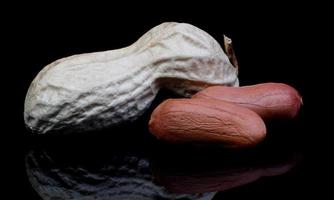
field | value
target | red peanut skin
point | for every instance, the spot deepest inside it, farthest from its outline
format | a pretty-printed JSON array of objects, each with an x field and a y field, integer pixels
[
  {"x": 269, "y": 100},
  {"x": 206, "y": 121}
]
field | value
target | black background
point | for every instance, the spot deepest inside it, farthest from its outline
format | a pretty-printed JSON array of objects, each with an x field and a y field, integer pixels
[{"x": 274, "y": 43}]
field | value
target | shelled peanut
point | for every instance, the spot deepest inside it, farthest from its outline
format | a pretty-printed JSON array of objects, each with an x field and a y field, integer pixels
[
  {"x": 269, "y": 100},
  {"x": 227, "y": 115},
  {"x": 206, "y": 120}
]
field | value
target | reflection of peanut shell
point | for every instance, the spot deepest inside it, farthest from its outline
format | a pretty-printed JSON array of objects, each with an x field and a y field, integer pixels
[{"x": 121, "y": 177}]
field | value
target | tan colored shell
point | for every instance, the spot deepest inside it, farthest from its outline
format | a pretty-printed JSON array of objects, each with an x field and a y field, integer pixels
[{"x": 97, "y": 90}]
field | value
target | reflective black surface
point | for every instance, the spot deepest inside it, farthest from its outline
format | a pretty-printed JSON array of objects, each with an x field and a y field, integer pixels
[
  {"x": 272, "y": 44},
  {"x": 126, "y": 162},
  {"x": 137, "y": 174}
]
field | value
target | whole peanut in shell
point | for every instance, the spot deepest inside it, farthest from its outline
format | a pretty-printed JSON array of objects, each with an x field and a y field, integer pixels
[
  {"x": 206, "y": 121},
  {"x": 269, "y": 100},
  {"x": 93, "y": 91}
]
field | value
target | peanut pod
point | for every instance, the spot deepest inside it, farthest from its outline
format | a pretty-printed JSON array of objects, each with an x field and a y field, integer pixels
[{"x": 97, "y": 90}]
